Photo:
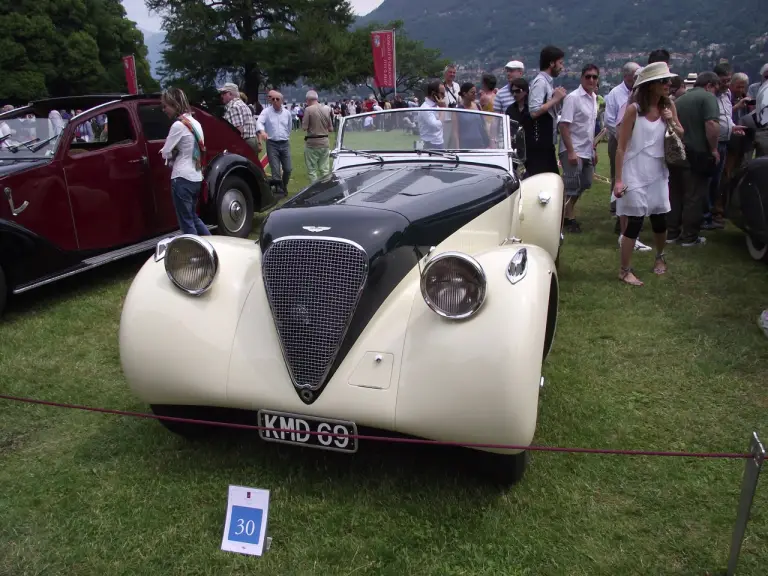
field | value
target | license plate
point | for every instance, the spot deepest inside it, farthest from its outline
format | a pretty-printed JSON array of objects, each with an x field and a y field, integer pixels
[{"x": 303, "y": 425}]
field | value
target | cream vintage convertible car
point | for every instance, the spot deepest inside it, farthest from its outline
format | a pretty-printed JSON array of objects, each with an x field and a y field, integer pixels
[{"x": 413, "y": 290}]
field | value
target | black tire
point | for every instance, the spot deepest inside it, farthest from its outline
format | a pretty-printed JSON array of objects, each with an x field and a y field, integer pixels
[
  {"x": 185, "y": 429},
  {"x": 234, "y": 208},
  {"x": 503, "y": 469},
  {"x": 757, "y": 249},
  {"x": 3, "y": 291}
]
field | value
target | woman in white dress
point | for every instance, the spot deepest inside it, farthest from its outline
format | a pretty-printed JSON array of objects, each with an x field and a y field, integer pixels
[{"x": 642, "y": 176}]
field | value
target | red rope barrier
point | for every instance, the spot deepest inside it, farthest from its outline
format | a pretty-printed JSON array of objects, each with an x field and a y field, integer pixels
[{"x": 730, "y": 455}]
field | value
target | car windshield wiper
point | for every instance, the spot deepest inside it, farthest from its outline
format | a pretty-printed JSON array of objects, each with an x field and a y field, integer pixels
[
  {"x": 444, "y": 154},
  {"x": 4, "y": 138},
  {"x": 361, "y": 153},
  {"x": 26, "y": 144},
  {"x": 43, "y": 143}
]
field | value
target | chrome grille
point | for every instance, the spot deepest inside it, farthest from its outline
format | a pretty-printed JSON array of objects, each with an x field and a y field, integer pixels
[{"x": 313, "y": 285}]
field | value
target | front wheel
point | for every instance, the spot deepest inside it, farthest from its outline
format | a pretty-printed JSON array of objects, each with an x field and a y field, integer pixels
[
  {"x": 234, "y": 208},
  {"x": 757, "y": 249},
  {"x": 503, "y": 469}
]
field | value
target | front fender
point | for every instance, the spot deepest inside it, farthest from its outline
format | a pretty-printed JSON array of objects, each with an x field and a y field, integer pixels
[
  {"x": 225, "y": 164},
  {"x": 175, "y": 348},
  {"x": 478, "y": 380},
  {"x": 540, "y": 216}
]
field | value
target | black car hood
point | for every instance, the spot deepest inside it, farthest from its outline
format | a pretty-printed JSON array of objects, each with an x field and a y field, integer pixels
[
  {"x": 409, "y": 189},
  {"x": 423, "y": 203},
  {"x": 395, "y": 213},
  {"x": 10, "y": 166}
]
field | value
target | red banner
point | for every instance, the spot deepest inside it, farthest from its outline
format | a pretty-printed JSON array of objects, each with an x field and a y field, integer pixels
[
  {"x": 129, "y": 64},
  {"x": 383, "y": 44}
]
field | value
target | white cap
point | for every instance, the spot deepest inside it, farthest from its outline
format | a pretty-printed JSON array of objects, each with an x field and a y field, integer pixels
[{"x": 514, "y": 65}]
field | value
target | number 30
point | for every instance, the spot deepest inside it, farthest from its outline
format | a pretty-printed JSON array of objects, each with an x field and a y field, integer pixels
[{"x": 248, "y": 527}]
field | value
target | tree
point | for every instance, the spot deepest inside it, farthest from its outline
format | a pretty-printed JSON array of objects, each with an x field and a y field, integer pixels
[
  {"x": 254, "y": 42},
  {"x": 67, "y": 47},
  {"x": 415, "y": 64}
]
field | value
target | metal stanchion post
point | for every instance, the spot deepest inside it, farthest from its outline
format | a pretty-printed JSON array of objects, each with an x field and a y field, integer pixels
[{"x": 748, "y": 487}]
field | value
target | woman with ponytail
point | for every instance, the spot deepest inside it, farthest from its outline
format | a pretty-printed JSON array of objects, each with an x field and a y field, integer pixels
[{"x": 184, "y": 149}]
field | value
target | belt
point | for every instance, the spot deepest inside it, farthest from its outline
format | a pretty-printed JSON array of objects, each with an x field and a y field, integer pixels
[
  {"x": 277, "y": 141},
  {"x": 316, "y": 136}
]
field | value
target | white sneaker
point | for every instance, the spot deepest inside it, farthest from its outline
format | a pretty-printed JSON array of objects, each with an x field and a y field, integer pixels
[{"x": 639, "y": 246}]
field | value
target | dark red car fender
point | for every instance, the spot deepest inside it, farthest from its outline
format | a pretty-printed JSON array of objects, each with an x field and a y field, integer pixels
[{"x": 226, "y": 164}]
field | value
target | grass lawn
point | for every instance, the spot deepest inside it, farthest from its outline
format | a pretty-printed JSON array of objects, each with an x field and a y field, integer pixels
[{"x": 678, "y": 364}]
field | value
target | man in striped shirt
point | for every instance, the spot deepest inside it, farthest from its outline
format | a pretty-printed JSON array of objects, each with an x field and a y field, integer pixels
[{"x": 504, "y": 97}]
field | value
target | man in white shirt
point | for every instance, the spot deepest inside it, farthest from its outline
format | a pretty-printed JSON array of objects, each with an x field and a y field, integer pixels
[
  {"x": 451, "y": 101},
  {"x": 274, "y": 125},
  {"x": 431, "y": 128},
  {"x": 577, "y": 145},
  {"x": 714, "y": 219},
  {"x": 614, "y": 102}
]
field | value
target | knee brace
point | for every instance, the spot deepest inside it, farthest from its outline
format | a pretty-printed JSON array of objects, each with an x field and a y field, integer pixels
[
  {"x": 634, "y": 224},
  {"x": 659, "y": 223}
]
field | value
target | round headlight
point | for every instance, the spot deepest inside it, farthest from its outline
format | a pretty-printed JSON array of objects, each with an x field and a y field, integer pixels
[
  {"x": 453, "y": 285},
  {"x": 191, "y": 263}
]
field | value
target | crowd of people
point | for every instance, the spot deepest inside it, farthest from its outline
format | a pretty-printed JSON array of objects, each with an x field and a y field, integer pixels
[{"x": 673, "y": 143}]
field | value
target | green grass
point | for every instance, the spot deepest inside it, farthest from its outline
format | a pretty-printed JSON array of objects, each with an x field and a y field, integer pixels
[{"x": 678, "y": 364}]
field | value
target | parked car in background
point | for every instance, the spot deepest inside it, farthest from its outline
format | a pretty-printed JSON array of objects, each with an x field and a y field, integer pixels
[
  {"x": 748, "y": 206},
  {"x": 412, "y": 290},
  {"x": 82, "y": 193}
]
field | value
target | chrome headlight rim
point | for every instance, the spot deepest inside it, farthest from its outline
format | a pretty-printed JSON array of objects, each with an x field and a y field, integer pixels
[
  {"x": 478, "y": 270},
  {"x": 211, "y": 253}
]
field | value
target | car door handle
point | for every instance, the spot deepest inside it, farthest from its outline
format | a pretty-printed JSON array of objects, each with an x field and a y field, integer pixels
[
  {"x": 14, "y": 210},
  {"x": 142, "y": 160}
]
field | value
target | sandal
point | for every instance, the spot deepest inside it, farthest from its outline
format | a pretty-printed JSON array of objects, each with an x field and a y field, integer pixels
[
  {"x": 658, "y": 269},
  {"x": 625, "y": 272}
]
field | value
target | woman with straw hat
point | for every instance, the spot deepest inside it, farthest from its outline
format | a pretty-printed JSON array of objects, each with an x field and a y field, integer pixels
[{"x": 642, "y": 176}]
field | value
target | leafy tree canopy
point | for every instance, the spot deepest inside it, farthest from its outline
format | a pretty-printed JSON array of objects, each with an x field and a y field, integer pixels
[
  {"x": 67, "y": 47},
  {"x": 254, "y": 43}
]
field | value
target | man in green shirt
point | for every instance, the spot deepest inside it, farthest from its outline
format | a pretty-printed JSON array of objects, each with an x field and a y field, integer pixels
[{"x": 699, "y": 115}]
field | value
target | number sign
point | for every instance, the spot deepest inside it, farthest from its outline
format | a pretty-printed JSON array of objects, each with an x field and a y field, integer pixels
[{"x": 246, "y": 523}]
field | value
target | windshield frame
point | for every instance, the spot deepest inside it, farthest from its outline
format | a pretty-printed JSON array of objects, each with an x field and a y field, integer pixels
[{"x": 503, "y": 118}]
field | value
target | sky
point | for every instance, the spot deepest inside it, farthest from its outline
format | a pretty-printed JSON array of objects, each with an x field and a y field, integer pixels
[{"x": 138, "y": 12}]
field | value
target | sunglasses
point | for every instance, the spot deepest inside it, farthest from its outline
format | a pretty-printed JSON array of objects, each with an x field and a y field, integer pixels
[
  {"x": 275, "y": 99},
  {"x": 591, "y": 76},
  {"x": 516, "y": 90}
]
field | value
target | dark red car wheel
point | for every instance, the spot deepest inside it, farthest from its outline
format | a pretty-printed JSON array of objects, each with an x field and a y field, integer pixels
[{"x": 234, "y": 208}]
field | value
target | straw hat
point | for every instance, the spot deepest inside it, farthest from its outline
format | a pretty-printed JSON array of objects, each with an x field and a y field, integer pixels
[
  {"x": 691, "y": 79},
  {"x": 652, "y": 72}
]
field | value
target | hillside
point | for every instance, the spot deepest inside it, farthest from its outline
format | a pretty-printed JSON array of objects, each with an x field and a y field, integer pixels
[
  {"x": 154, "y": 43},
  {"x": 489, "y": 33}
]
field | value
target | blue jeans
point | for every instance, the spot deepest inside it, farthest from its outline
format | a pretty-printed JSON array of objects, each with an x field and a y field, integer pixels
[
  {"x": 714, "y": 184},
  {"x": 184, "y": 193},
  {"x": 279, "y": 155}
]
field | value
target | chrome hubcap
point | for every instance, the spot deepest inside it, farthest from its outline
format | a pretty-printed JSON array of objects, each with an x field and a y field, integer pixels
[{"x": 233, "y": 210}]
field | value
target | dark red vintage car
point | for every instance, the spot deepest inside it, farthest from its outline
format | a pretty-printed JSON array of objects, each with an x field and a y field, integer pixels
[{"x": 84, "y": 192}]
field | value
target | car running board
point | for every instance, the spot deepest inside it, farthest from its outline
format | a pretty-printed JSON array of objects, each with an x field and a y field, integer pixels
[{"x": 100, "y": 260}]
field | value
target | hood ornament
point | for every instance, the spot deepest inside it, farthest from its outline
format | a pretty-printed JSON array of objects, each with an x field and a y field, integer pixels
[{"x": 316, "y": 228}]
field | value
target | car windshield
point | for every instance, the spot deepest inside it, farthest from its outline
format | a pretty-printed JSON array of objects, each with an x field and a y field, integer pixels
[
  {"x": 29, "y": 137},
  {"x": 410, "y": 129}
]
